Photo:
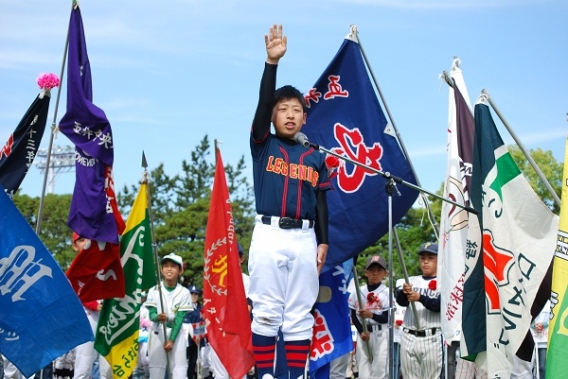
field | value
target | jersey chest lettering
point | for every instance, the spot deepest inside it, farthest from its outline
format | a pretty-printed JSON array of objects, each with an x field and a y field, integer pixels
[{"x": 292, "y": 170}]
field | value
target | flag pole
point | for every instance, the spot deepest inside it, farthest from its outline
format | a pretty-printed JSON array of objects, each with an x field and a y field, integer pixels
[
  {"x": 523, "y": 149},
  {"x": 145, "y": 177},
  {"x": 51, "y": 135},
  {"x": 354, "y": 35},
  {"x": 406, "y": 277},
  {"x": 368, "y": 349}
]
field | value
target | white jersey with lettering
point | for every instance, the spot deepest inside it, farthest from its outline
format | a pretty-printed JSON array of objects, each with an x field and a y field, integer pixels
[
  {"x": 422, "y": 348},
  {"x": 427, "y": 318},
  {"x": 179, "y": 299},
  {"x": 376, "y": 301}
]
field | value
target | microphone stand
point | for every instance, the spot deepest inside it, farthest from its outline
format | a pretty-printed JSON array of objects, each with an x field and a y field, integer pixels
[
  {"x": 387, "y": 175},
  {"x": 390, "y": 186}
]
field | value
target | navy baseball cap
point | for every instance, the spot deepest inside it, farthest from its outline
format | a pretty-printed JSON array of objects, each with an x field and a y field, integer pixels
[
  {"x": 194, "y": 289},
  {"x": 241, "y": 250},
  {"x": 376, "y": 259},
  {"x": 428, "y": 247}
]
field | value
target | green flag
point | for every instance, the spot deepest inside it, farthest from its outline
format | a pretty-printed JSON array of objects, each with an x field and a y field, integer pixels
[
  {"x": 117, "y": 331},
  {"x": 510, "y": 247}
]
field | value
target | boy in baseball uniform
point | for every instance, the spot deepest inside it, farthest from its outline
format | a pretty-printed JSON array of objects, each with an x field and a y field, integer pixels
[
  {"x": 421, "y": 348},
  {"x": 169, "y": 309},
  {"x": 375, "y": 297},
  {"x": 290, "y": 238}
]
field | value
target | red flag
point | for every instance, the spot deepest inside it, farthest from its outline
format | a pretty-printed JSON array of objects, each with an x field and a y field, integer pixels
[
  {"x": 96, "y": 272},
  {"x": 224, "y": 300}
]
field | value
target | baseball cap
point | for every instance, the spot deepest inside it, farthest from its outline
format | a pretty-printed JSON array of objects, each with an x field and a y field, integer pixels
[
  {"x": 195, "y": 289},
  {"x": 174, "y": 258},
  {"x": 76, "y": 236},
  {"x": 376, "y": 259},
  {"x": 241, "y": 250},
  {"x": 428, "y": 247}
]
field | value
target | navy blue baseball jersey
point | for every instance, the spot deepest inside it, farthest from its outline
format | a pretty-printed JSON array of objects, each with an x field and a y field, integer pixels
[{"x": 287, "y": 176}]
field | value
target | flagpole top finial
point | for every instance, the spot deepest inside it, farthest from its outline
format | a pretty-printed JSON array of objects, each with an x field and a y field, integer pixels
[
  {"x": 483, "y": 98},
  {"x": 456, "y": 63},
  {"x": 353, "y": 32}
]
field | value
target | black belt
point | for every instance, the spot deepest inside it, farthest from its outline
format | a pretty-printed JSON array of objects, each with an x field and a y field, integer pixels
[
  {"x": 421, "y": 333},
  {"x": 287, "y": 222}
]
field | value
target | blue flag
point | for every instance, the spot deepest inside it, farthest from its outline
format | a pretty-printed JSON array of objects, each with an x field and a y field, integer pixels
[
  {"x": 332, "y": 328},
  {"x": 17, "y": 155},
  {"x": 93, "y": 213},
  {"x": 345, "y": 116},
  {"x": 42, "y": 317}
]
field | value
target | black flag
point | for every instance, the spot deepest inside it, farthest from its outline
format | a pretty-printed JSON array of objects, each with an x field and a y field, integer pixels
[{"x": 17, "y": 155}]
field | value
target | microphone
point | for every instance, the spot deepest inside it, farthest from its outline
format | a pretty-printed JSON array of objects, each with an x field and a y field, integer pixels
[{"x": 302, "y": 139}]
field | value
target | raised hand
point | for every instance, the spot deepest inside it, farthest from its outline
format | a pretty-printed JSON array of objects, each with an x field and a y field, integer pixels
[{"x": 275, "y": 44}]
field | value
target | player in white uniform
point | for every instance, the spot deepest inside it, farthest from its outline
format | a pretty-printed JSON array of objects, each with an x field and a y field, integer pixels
[
  {"x": 176, "y": 303},
  {"x": 375, "y": 297},
  {"x": 421, "y": 349},
  {"x": 290, "y": 238}
]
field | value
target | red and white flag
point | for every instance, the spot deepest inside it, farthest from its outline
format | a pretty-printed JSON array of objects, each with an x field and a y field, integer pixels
[
  {"x": 225, "y": 307},
  {"x": 96, "y": 272}
]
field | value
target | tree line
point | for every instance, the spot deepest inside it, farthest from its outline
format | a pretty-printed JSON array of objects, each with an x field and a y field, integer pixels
[{"x": 180, "y": 206}]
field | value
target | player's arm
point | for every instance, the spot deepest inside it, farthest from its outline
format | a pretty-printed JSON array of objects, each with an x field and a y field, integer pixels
[
  {"x": 263, "y": 114},
  {"x": 178, "y": 323},
  {"x": 275, "y": 43},
  {"x": 401, "y": 298},
  {"x": 322, "y": 228},
  {"x": 431, "y": 303},
  {"x": 356, "y": 322},
  {"x": 381, "y": 318}
]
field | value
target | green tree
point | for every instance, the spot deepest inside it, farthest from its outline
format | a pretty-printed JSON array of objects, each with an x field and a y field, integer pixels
[
  {"x": 54, "y": 233},
  {"x": 550, "y": 167},
  {"x": 180, "y": 207},
  {"x": 412, "y": 230}
]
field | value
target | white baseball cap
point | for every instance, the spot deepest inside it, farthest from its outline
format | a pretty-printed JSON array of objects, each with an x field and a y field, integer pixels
[{"x": 174, "y": 258}]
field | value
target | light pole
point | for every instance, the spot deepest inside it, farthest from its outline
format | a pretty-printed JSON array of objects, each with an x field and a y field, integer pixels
[{"x": 62, "y": 160}]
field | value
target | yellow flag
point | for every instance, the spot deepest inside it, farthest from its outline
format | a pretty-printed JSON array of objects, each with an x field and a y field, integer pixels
[{"x": 556, "y": 362}]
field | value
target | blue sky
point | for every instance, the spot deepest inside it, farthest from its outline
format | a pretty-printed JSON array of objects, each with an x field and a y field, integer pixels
[{"x": 167, "y": 73}]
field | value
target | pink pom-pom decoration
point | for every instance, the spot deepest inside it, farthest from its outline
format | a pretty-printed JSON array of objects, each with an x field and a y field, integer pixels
[{"x": 47, "y": 81}]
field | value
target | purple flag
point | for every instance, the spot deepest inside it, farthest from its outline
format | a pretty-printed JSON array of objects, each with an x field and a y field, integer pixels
[
  {"x": 93, "y": 212},
  {"x": 18, "y": 154},
  {"x": 345, "y": 117}
]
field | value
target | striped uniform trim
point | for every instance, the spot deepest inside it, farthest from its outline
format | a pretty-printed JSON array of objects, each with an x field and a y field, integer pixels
[
  {"x": 264, "y": 356},
  {"x": 296, "y": 355}
]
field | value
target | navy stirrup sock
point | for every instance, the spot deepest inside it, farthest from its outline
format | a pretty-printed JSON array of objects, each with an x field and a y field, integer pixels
[
  {"x": 297, "y": 355},
  {"x": 263, "y": 348}
]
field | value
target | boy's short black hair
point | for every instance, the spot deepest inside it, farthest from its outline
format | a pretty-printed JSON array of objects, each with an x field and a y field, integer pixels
[{"x": 289, "y": 92}]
